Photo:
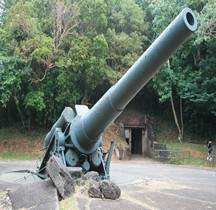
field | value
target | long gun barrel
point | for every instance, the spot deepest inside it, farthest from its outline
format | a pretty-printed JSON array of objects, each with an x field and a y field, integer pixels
[
  {"x": 83, "y": 133},
  {"x": 110, "y": 106}
]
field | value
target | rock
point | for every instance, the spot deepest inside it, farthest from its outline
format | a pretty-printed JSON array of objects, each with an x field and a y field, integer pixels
[
  {"x": 94, "y": 190},
  {"x": 80, "y": 182},
  {"x": 110, "y": 190},
  {"x": 92, "y": 176},
  {"x": 35, "y": 196},
  {"x": 99, "y": 189},
  {"x": 75, "y": 172},
  {"x": 5, "y": 202},
  {"x": 60, "y": 176}
]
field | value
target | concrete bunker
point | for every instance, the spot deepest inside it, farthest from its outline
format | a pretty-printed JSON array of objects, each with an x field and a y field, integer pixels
[{"x": 138, "y": 135}]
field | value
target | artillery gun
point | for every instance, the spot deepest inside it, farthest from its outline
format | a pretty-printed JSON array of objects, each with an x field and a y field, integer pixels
[{"x": 76, "y": 138}]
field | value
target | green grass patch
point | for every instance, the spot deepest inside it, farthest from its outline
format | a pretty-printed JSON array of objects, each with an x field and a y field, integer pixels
[
  {"x": 7, "y": 133},
  {"x": 19, "y": 156},
  {"x": 18, "y": 145},
  {"x": 2, "y": 194},
  {"x": 68, "y": 203},
  {"x": 72, "y": 203},
  {"x": 197, "y": 158}
]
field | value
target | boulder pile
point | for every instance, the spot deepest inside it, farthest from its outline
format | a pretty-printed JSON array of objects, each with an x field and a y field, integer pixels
[{"x": 61, "y": 184}]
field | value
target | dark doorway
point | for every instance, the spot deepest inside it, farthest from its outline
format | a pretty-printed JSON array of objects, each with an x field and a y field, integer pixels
[{"x": 136, "y": 141}]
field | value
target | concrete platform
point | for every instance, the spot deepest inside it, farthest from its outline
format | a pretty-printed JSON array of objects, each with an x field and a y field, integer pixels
[{"x": 146, "y": 184}]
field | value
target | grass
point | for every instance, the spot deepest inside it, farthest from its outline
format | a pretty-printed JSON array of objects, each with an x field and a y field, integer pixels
[
  {"x": 71, "y": 202},
  {"x": 17, "y": 156},
  {"x": 166, "y": 133},
  {"x": 2, "y": 194},
  {"x": 18, "y": 145},
  {"x": 197, "y": 157},
  {"x": 68, "y": 203}
]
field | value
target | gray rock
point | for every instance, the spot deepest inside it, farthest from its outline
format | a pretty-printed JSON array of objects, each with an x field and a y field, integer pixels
[
  {"x": 4, "y": 185},
  {"x": 92, "y": 176},
  {"x": 35, "y": 195},
  {"x": 110, "y": 190},
  {"x": 75, "y": 172},
  {"x": 60, "y": 176},
  {"x": 94, "y": 190},
  {"x": 80, "y": 182},
  {"x": 5, "y": 202}
]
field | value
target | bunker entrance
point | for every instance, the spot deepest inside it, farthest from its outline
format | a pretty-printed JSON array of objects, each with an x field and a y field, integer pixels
[
  {"x": 136, "y": 141},
  {"x": 139, "y": 136}
]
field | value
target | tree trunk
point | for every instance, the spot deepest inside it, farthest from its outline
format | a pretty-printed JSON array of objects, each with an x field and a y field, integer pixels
[
  {"x": 182, "y": 122},
  {"x": 180, "y": 129},
  {"x": 180, "y": 136},
  {"x": 9, "y": 115},
  {"x": 85, "y": 98},
  {"x": 19, "y": 110},
  {"x": 29, "y": 122}
]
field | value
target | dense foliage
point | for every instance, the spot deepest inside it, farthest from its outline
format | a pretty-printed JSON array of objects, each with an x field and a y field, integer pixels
[{"x": 57, "y": 53}]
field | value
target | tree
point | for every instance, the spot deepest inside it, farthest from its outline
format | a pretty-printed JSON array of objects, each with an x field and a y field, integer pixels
[
  {"x": 185, "y": 77},
  {"x": 199, "y": 86},
  {"x": 10, "y": 83},
  {"x": 164, "y": 81},
  {"x": 203, "y": 83},
  {"x": 34, "y": 101},
  {"x": 86, "y": 65},
  {"x": 93, "y": 17},
  {"x": 17, "y": 25},
  {"x": 57, "y": 53},
  {"x": 44, "y": 48},
  {"x": 125, "y": 37}
]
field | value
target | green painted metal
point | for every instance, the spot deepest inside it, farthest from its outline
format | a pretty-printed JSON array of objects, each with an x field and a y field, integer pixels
[{"x": 80, "y": 134}]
